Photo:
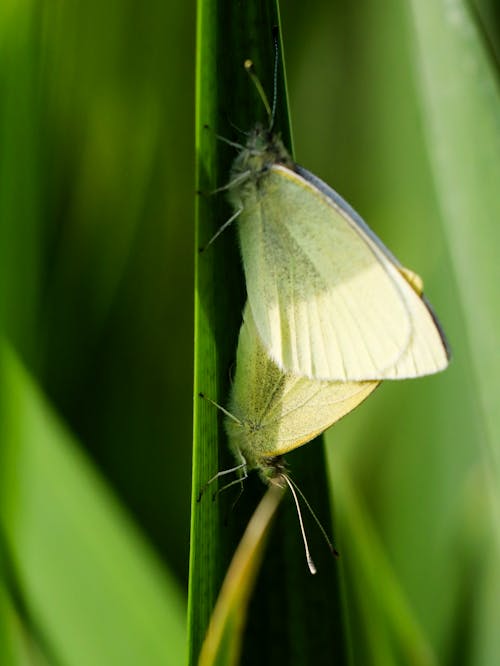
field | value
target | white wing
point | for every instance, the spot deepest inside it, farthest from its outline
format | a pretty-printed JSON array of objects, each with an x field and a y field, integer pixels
[
  {"x": 275, "y": 412},
  {"x": 328, "y": 299}
]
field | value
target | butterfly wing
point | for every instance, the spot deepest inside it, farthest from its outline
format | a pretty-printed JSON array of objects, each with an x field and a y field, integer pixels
[
  {"x": 278, "y": 411},
  {"x": 309, "y": 407},
  {"x": 328, "y": 299}
]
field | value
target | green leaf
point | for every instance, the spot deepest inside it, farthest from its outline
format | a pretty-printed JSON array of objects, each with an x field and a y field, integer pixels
[
  {"x": 461, "y": 100},
  {"x": 222, "y": 643},
  {"x": 394, "y": 635},
  {"x": 17, "y": 642},
  {"x": 228, "y": 33},
  {"x": 90, "y": 587}
]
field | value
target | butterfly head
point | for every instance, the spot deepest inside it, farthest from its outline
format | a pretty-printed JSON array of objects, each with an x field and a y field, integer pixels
[
  {"x": 273, "y": 471},
  {"x": 263, "y": 149}
]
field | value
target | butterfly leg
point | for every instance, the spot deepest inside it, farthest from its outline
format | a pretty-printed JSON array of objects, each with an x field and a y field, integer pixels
[{"x": 222, "y": 473}]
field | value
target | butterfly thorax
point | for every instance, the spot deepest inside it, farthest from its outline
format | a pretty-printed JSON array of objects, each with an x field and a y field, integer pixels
[
  {"x": 244, "y": 439},
  {"x": 262, "y": 150}
]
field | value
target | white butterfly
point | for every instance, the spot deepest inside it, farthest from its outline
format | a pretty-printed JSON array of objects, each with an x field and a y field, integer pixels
[{"x": 328, "y": 299}]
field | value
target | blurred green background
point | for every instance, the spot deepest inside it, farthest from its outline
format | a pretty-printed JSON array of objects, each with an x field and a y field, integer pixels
[{"x": 96, "y": 300}]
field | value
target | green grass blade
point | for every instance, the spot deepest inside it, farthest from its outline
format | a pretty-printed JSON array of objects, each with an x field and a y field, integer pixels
[
  {"x": 223, "y": 640},
  {"x": 461, "y": 100},
  {"x": 229, "y": 33},
  {"x": 393, "y": 631},
  {"x": 20, "y": 192},
  {"x": 18, "y": 645},
  {"x": 90, "y": 587}
]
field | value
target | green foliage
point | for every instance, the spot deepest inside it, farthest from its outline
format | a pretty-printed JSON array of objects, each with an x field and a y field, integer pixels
[
  {"x": 89, "y": 589},
  {"x": 414, "y": 477},
  {"x": 395, "y": 105},
  {"x": 85, "y": 375},
  {"x": 228, "y": 34},
  {"x": 223, "y": 639}
]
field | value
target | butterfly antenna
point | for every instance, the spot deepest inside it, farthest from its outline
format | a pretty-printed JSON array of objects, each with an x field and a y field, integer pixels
[
  {"x": 249, "y": 66},
  {"x": 333, "y": 550},
  {"x": 276, "y": 32},
  {"x": 235, "y": 127},
  {"x": 310, "y": 563}
]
